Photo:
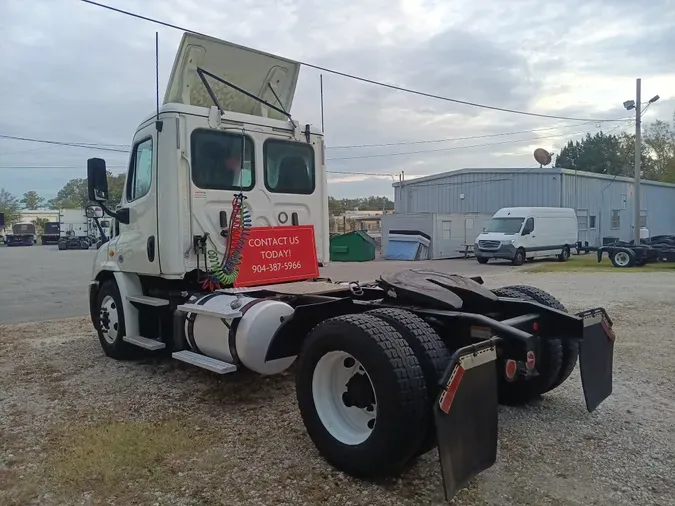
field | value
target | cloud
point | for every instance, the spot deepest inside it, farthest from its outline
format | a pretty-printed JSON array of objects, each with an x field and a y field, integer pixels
[{"x": 71, "y": 71}]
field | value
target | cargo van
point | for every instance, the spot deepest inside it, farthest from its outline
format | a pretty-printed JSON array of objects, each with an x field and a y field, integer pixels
[{"x": 527, "y": 233}]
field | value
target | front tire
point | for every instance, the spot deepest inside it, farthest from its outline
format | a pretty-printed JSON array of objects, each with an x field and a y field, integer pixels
[
  {"x": 362, "y": 396},
  {"x": 109, "y": 323},
  {"x": 482, "y": 260},
  {"x": 519, "y": 257}
]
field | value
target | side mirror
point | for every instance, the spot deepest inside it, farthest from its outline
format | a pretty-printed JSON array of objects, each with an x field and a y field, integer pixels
[
  {"x": 94, "y": 212},
  {"x": 526, "y": 231},
  {"x": 97, "y": 180}
]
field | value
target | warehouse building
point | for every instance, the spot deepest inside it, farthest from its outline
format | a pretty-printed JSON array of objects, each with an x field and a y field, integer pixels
[{"x": 604, "y": 204}]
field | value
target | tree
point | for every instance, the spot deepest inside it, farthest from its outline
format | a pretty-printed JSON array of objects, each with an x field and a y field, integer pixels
[
  {"x": 74, "y": 194},
  {"x": 337, "y": 207},
  {"x": 40, "y": 225},
  {"x": 31, "y": 200},
  {"x": 10, "y": 207},
  {"x": 659, "y": 137},
  {"x": 606, "y": 154}
]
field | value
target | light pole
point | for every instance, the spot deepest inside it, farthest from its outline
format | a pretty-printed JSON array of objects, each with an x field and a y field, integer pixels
[{"x": 637, "y": 105}]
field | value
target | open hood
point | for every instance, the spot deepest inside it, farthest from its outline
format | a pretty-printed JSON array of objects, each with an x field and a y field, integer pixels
[{"x": 250, "y": 70}]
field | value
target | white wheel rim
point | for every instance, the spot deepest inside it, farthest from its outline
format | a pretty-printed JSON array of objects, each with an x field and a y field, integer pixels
[
  {"x": 109, "y": 319},
  {"x": 622, "y": 258},
  {"x": 351, "y": 425}
]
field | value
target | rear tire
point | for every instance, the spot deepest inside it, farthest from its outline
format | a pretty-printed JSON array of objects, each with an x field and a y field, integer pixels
[
  {"x": 431, "y": 353},
  {"x": 564, "y": 255},
  {"x": 367, "y": 348},
  {"x": 549, "y": 362},
  {"x": 519, "y": 257},
  {"x": 570, "y": 348}
]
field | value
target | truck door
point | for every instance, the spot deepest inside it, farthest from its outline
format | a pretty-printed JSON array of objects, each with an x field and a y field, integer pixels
[{"x": 136, "y": 247}]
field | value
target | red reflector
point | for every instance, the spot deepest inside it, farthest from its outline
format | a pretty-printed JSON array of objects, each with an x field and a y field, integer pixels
[
  {"x": 535, "y": 326},
  {"x": 530, "y": 360},
  {"x": 511, "y": 368}
]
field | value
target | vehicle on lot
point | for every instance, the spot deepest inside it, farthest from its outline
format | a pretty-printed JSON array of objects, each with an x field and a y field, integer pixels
[
  {"x": 215, "y": 259},
  {"x": 51, "y": 233},
  {"x": 660, "y": 248},
  {"x": 23, "y": 234},
  {"x": 79, "y": 229},
  {"x": 527, "y": 233}
]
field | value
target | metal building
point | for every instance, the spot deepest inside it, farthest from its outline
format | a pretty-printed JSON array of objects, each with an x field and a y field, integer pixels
[{"x": 604, "y": 204}]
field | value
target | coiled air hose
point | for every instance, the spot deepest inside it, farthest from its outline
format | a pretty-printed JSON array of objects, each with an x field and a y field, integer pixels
[{"x": 225, "y": 272}]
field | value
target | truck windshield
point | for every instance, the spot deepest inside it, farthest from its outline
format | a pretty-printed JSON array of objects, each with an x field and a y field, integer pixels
[
  {"x": 217, "y": 160},
  {"x": 509, "y": 226},
  {"x": 289, "y": 167}
]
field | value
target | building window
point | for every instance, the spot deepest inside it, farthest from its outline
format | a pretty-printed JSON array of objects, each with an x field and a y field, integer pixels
[
  {"x": 582, "y": 219},
  {"x": 616, "y": 219},
  {"x": 289, "y": 167},
  {"x": 643, "y": 219},
  {"x": 140, "y": 171},
  {"x": 217, "y": 160},
  {"x": 445, "y": 227},
  {"x": 591, "y": 222}
]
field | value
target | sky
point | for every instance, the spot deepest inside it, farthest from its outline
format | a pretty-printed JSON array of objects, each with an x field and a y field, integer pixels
[{"x": 73, "y": 72}]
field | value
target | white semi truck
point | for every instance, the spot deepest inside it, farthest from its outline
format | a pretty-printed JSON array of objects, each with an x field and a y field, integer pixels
[{"x": 214, "y": 259}]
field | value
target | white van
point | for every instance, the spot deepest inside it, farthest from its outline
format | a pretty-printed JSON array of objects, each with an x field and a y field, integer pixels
[{"x": 520, "y": 233}]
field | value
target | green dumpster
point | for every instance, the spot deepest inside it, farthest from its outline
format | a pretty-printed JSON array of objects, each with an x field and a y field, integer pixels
[{"x": 355, "y": 246}]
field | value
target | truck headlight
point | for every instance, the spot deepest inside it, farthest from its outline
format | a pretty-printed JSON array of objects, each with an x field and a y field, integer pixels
[{"x": 511, "y": 241}]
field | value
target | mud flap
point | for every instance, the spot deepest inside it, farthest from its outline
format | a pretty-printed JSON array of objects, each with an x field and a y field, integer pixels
[
  {"x": 466, "y": 416},
  {"x": 596, "y": 357}
]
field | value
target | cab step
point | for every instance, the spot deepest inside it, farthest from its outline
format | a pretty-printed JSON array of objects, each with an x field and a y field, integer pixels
[
  {"x": 147, "y": 300},
  {"x": 196, "y": 309},
  {"x": 144, "y": 342},
  {"x": 211, "y": 364}
]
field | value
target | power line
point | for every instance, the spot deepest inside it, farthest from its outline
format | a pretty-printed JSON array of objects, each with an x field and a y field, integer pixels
[
  {"x": 453, "y": 148},
  {"x": 362, "y": 79},
  {"x": 62, "y": 143},
  {"x": 452, "y": 139}
]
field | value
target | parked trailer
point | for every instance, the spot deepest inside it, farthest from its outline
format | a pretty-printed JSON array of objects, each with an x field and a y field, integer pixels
[
  {"x": 384, "y": 371},
  {"x": 660, "y": 248},
  {"x": 51, "y": 233},
  {"x": 23, "y": 234}
]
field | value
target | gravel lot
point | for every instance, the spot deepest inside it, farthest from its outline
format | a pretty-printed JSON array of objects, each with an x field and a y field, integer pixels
[{"x": 78, "y": 428}]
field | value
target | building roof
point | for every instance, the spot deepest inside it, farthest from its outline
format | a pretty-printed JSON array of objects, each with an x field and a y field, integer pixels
[{"x": 527, "y": 170}]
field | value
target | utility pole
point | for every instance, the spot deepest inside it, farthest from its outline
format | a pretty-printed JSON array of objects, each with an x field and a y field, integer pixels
[{"x": 638, "y": 146}]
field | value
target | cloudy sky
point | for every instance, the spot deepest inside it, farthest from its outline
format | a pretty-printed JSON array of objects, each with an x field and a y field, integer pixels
[{"x": 74, "y": 72}]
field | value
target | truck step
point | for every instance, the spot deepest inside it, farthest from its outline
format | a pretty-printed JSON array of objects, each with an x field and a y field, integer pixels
[
  {"x": 211, "y": 364},
  {"x": 144, "y": 342},
  {"x": 148, "y": 301},
  {"x": 194, "y": 308}
]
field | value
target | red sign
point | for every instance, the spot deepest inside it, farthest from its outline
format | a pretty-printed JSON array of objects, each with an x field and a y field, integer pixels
[{"x": 278, "y": 254}]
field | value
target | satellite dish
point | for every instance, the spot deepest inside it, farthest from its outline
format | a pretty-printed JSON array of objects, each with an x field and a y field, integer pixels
[{"x": 542, "y": 156}]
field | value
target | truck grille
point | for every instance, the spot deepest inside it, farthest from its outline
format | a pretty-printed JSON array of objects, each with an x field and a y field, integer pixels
[{"x": 489, "y": 244}]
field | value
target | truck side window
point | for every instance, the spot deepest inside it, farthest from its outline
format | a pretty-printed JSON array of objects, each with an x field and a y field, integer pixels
[
  {"x": 140, "y": 172},
  {"x": 529, "y": 226},
  {"x": 216, "y": 159},
  {"x": 289, "y": 167}
]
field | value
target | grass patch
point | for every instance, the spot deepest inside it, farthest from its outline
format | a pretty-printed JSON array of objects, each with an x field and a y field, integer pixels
[
  {"x": 589, "y": 263},
  {"x": 107, "y": 457}
]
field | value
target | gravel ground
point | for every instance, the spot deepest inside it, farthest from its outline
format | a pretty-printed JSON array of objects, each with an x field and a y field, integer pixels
[{"x": 78, "y": 428}]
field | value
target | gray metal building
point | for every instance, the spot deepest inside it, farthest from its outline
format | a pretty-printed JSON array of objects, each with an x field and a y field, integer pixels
[{"x": 604, "y": 204}]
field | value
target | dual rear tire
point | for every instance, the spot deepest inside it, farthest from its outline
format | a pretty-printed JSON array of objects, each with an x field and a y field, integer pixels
[{"x": 365, "y": 384}]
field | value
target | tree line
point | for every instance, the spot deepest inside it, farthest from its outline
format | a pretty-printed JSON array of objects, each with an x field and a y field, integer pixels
[{"x": 615, "y": 154}]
